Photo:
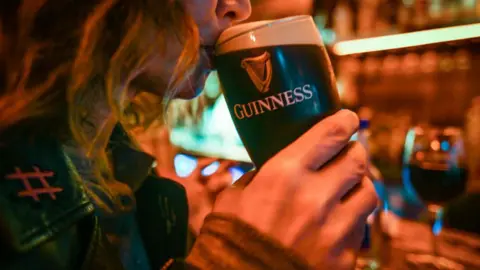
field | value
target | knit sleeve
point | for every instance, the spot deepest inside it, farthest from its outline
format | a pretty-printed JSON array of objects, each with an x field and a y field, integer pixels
[{"x": 228, "y": 243}]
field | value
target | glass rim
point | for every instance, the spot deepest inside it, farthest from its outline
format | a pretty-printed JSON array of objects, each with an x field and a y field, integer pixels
[{"x": 268, "y": 23}]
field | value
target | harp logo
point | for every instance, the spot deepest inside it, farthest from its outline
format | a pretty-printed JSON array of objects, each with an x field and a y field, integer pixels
[{"x": 259, "y": 69}]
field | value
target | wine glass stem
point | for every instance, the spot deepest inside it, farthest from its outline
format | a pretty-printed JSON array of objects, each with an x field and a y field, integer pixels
[{"x": 436, "y": 219}]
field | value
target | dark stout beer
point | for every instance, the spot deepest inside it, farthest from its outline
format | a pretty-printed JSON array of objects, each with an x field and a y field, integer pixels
[{"x": 277, "y": 80}]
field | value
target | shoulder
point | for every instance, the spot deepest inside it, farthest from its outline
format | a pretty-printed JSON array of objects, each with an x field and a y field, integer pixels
[{"x": 40, "y": 195}]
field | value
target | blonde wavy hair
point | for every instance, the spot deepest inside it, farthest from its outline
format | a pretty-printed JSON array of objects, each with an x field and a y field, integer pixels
[{"x": 58, "y": 55}]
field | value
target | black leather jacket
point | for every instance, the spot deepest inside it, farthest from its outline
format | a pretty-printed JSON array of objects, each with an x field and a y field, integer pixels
[{"x": 47, "y": 221}]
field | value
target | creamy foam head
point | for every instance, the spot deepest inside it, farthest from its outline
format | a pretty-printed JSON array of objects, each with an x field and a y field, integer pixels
[{"x": 297, "y": 30}]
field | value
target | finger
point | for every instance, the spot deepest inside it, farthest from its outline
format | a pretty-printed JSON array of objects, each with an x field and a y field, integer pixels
[
  {"x": 218, "y": 182},
  {"x": 358, "y": 206},
  {"x": 348, "y": 250},
  {"x": 225, "y": 165},
  {"x": 344, "y": 244},
  {"x": 347, "y": 260},
  {"x": 323, "y": 141},
  {"x": 201, "y": 165},
  {"x": 335, "y": 180},
  {"x": 323, "y": 190},
  {"x": 339, "y": 257},
  {"x": 363, "y": 200}
]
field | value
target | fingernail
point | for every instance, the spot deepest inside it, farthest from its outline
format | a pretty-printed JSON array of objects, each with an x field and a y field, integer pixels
[
  {"x": 351, "y": 116},
  {"x": 347, "y": 113}
]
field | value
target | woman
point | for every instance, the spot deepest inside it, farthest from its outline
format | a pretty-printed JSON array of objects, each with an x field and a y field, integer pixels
[{"x": 68, "y": 69}]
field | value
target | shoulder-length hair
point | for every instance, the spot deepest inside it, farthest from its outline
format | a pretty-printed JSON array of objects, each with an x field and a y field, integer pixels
[{"x": 56, "y": 56}]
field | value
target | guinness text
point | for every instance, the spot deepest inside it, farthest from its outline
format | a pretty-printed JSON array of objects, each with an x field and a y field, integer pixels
[{"x": 274, "y": 102}]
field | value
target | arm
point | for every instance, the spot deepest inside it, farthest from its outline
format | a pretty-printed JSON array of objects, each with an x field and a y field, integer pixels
[{"x": 226, "y": 242}]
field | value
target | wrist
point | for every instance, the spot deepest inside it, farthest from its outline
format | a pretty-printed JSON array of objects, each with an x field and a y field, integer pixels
[{"x": 225, "y": 242}]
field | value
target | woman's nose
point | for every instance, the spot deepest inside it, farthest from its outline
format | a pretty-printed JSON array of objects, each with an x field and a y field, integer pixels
[{"x": 233, "y": 11}]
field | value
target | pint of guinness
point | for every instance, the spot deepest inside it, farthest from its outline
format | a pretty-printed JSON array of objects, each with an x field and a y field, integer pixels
[{"x": 277, "y": 80}]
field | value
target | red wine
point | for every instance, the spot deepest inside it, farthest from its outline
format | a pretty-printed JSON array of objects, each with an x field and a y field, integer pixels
[{"x": 438, "y": 186}]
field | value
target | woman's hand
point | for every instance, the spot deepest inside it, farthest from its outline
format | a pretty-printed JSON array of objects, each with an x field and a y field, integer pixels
[
  {"x": 201, "y": 190},
  {"x": 313, "y": 196}
]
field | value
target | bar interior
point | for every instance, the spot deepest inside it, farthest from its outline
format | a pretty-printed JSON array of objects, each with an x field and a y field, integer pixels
[{"x": 410, "y": 69}]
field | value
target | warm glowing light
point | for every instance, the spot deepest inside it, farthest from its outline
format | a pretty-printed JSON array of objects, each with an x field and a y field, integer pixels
[
  {"x": 419, "y": 131},
  {"x": 252, "y": 37},
  {"x": 445, "y": 145},
  {"x": 435, "y": 145},
  {"x": 407, "y": 40}
]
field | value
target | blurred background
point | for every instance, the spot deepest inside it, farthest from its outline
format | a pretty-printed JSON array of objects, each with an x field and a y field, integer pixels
[
  {"x": 403, "y": 62},
  {"x": 404, "y": 66}
]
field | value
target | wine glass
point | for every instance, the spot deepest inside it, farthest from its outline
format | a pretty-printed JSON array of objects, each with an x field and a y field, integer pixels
[{"x": 434, "y": 169}]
